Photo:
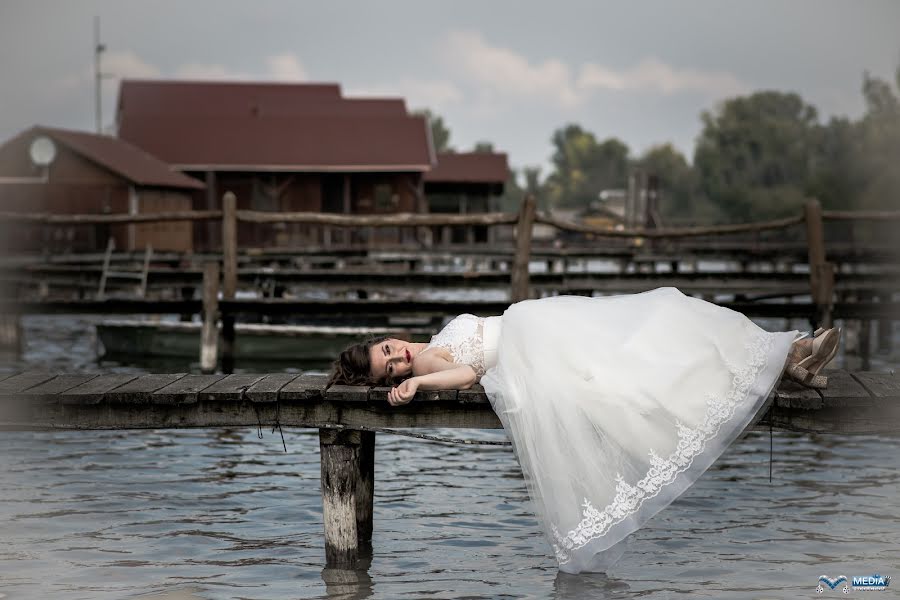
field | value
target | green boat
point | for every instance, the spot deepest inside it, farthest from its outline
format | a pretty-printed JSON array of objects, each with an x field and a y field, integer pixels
[{"x": 253, "y": 341}]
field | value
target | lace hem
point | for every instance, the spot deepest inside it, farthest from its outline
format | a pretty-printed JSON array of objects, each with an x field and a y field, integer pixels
[{"x": 663, "y": 471}]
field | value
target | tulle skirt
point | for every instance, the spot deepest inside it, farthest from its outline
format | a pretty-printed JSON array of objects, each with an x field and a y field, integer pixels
[{"x": 616, "y": 405}]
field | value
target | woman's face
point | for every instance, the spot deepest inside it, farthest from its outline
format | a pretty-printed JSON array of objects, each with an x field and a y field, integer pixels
[{"x": 391, "y": 358}]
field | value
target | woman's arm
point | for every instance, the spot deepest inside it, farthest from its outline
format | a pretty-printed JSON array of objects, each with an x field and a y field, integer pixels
[{"x": 444, "y": 375}]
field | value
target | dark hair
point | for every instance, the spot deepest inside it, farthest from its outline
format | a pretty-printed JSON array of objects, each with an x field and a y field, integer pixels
[{"x": 353, "y": 366}]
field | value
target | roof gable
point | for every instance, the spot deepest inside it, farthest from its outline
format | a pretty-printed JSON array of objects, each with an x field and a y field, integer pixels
[{"x": 120, "y": 157}]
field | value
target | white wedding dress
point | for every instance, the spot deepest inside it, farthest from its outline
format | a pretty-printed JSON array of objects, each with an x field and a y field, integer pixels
[{"x": 616, "y": 405}]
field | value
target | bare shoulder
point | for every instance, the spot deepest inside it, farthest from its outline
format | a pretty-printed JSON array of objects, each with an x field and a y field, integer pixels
[{"x": 432, "y": 360}]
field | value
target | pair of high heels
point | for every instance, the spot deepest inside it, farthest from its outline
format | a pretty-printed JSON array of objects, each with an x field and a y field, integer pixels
[{"x": 825, "y": 347}]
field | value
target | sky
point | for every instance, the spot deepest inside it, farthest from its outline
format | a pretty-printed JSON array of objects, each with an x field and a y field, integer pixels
[{"x": 508, "y": 72}]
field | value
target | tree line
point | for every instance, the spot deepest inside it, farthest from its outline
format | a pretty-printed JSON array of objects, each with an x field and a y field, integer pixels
[{"x": 757, "y": 156}]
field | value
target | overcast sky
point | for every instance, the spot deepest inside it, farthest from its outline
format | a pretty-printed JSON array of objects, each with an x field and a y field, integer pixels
[{"x": 509, "y": 72}]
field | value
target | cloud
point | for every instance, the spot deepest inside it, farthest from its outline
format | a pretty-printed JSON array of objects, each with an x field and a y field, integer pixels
[
  {"x": 286, "y": 67},
  {"x": 654, "y": 75},
  {"x": 128, "y": 64},
  {"x": 502, "y": 71},
  {"x": 434, "y": 94}
]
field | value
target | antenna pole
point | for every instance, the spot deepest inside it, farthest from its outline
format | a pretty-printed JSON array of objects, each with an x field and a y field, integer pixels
[{"x": 98, "y": 76}]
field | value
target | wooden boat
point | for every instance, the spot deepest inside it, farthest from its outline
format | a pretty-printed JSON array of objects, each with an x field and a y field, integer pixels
[{"x": 253, "y": 341}]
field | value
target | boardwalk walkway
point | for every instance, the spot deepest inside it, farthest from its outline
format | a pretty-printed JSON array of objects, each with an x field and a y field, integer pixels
[{"x": 857, "y": 402}]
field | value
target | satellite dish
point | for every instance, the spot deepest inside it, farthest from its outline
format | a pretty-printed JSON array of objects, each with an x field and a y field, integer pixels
[{"x": 42, "y": 151}]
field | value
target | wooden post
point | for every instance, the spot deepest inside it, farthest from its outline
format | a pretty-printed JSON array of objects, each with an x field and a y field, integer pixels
[
  {"x": 885, "y": 330},
  {"x": 209, "y": 338},
  {"x": 865, "y": 343},
  {"x": 365, "y": 488},
  {"x": 229, "y": 279},
  {"x": 339, "y": 456},
  {"x": 11, "y": 334},
  {"x": 519, "y": 283},
  {"x": 821, "y": 273}
]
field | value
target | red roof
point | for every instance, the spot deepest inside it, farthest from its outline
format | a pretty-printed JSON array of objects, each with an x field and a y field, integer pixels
[
  {"x": 143, "y": 98},
  {"x": 118, "y": 156},
  {"x": 469, "y": 167},
  {"x": 276, "y": 127}
]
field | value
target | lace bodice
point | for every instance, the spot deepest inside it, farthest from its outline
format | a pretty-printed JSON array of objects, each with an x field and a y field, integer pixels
[{"x": 463, "y": 338}]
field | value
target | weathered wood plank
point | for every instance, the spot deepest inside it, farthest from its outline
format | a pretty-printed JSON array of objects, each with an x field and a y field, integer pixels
[
  {"x": 473, "y": 395},
  {"x": 185, "y": 390},
  {"x": 880, "y": 385},
  {"x": 59, "y": 384},
  {"x": 21, "y": 382},
  {"x": 305, "y": 387},
  {"x": 791, "y": 394},
  {"x": 267, "y": 389},
  {"x": 347, "y": 393},
  {"x": 380, "y": 393},
  {"x": 92, "y": 391},
  {"x": 7, "y": 375},
  {"x": 141, "y": 389},
  {"x": 230, "y": 388},
  {"x": 844, "y": 391}
]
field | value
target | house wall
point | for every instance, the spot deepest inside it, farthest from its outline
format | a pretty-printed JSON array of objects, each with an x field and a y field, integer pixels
[{"x": 366, "y": 193}]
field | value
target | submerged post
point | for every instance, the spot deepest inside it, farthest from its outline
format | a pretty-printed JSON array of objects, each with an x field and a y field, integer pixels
[
  {"x": 229, "y": 279},
  {"x": 519, "y": 283},
  {"x": 209, "y": 338},
  {"x": 339, "y": 459},
  {"x": 821, "y": 273}
]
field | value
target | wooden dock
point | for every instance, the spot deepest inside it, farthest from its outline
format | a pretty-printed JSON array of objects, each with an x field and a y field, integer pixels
[{"x": 347, "y": 416}]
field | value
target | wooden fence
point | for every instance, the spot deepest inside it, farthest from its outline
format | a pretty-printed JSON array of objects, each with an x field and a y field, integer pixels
[{"x": 821, "y": 271}]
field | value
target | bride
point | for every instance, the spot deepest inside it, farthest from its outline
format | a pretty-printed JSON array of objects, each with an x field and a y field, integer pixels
[{"x": 614, "y": 405}]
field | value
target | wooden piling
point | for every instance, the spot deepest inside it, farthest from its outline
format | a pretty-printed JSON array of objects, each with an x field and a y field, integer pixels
[
  {"x": 339, "y": 457},
  {"x": 365, "y": 488},
  {"x": 229, "y": 279},
  {"x": 11, "y": 334},
  {"x": 519, "y": 283},
  {"x": 209, "y": 338},
  {"x": 821, "y": 272}
]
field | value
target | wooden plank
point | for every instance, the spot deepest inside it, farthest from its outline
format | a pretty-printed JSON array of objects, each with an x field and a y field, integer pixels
[
  {"x": 473, "y": 395},
  {"x": 305, "y": 387},
  {"x": 141, "y": 389},
  {"x": 8, "y": 375},
  {"x": 18, "y": 383},
  {"x": 347, "y": 393},
  {"x": 230, "y": 388},
  {"x": 791, "y": 394},
  {"x": 92, "y": 391},
  {"x": 57, "y": 385},
  {"x": 844, "y": 390},
  {"x": 879, "y": 384},
  {"x": 185, "y": 390},
  {"x": 267, "y": 389},
  {"x": 380, "y": 394}
]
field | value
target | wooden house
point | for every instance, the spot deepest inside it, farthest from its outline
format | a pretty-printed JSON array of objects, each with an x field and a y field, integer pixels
[
  {"x": 90, "y": 174},
  {"x": 283, "y": 147}
]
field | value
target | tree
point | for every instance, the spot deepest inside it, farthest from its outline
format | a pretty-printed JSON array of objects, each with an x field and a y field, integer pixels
[
  {"x": 483, "y": 147},
  {"x": 676, "y": 181},
  {"x": 440, "y": 134},
  {"x": 754, "y": 155},
  {"x": 583, "y": 167}
]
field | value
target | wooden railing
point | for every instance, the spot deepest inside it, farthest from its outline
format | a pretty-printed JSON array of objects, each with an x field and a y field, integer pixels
[{"x": 821, "y": 272}]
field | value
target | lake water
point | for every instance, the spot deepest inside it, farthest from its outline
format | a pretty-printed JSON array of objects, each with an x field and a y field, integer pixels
[{"x": 224, "y": 514}]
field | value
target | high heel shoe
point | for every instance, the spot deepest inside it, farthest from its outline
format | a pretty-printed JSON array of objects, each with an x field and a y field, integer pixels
[{"x": 824, "y": 349}]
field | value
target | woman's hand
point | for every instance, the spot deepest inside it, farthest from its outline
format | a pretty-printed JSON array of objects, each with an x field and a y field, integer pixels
[{"x": 403, "y": 393}]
